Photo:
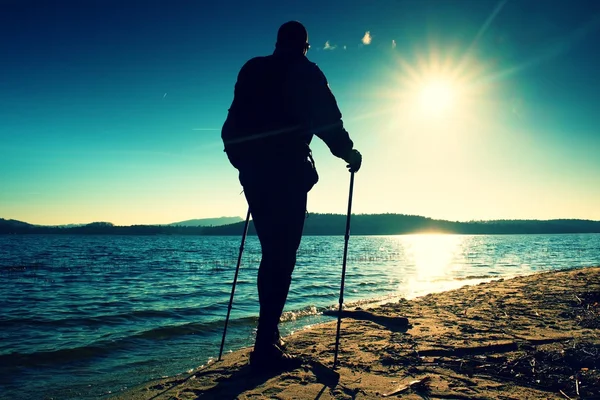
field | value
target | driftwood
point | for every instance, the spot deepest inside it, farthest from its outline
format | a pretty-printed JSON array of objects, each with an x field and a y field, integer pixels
[{"x": 410, "y": 385}]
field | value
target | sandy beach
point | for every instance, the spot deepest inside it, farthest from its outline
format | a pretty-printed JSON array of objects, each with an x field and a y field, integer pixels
[{"x": 531, "y": 337}]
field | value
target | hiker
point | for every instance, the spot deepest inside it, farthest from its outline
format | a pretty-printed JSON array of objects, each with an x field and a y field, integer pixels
[{"x": 280, "y": 102}]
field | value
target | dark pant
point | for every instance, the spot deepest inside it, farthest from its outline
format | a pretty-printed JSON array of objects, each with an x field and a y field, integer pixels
[{"x": 278, "y": 212}]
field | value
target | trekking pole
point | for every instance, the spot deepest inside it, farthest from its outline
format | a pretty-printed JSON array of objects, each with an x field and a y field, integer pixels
[
  {"x": 346, "y": 238},
  {"x": 237, "y": 269}
]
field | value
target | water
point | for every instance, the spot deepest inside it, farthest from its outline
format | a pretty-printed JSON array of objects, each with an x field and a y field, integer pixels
[{"x": 85, "y": 316}]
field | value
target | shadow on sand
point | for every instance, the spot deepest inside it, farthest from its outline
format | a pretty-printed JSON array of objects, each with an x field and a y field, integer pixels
[
  {"x": 246, "y": 378},
  {"x": 394, "y": 324}
]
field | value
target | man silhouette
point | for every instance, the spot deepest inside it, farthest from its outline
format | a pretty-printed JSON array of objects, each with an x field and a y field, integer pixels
[{"x": 280, "y": 102}]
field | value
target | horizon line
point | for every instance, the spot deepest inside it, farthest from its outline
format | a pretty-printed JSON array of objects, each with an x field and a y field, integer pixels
[{"x": 312, "y": 213}]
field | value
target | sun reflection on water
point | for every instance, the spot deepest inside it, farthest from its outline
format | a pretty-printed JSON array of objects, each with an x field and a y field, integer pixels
[{"x": 431, "y": 258}]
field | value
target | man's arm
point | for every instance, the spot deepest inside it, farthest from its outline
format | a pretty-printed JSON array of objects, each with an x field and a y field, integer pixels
[
  {"x": 325, "y": 118},
  {"x": 316, "y": 107}
]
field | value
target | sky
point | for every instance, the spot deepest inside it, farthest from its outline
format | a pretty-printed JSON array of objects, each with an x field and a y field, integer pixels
[{"x": 462, "y": 109}]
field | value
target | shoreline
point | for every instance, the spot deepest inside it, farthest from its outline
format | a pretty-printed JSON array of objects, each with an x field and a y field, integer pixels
[{"x": 529, "y": 337}]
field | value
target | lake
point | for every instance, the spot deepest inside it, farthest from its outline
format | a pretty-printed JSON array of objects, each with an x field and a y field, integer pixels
[{"x": 85, "y": 316}]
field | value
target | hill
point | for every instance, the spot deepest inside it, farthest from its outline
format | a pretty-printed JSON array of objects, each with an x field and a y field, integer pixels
[
  {"x": 328, "y": 224},
  {"x": 208, "y": 221},
  {"x": 6, "y": 225}
]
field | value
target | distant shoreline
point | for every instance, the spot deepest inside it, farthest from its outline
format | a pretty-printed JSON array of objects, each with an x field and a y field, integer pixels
[
  {"x": 303, "y": 235},
  {"x": 328, "y": 225}
]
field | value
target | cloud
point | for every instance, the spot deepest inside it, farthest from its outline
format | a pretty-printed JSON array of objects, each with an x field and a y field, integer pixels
[
  {"x": 366, "y": 40},
  {"x": 328, "y": 46},
  {"x": 393, "y": 44}
]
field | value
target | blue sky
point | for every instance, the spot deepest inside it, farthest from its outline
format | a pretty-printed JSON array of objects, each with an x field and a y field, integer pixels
[{"x": 467, "y": 109}]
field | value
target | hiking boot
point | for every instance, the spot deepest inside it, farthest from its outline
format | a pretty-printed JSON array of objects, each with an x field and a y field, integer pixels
[
  {"x": 270, "y": 337},
  {"x": 272, "y": 357}
]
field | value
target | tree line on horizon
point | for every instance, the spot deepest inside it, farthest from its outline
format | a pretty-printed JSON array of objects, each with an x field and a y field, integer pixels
[{"x": 327, "y": 224}]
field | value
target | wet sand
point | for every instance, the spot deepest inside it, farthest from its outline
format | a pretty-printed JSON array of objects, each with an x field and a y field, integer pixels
[{"x": 531, "y": 337}]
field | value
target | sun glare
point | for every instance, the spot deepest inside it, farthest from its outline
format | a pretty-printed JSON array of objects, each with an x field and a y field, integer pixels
[
  {"x": 437, "y": 97},
  {"x": 435, "y": 86},
  {"x": 436, "y": 102}
]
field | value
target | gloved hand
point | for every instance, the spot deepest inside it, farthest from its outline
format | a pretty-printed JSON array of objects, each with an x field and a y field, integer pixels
[{"x": 354, "y": 160}]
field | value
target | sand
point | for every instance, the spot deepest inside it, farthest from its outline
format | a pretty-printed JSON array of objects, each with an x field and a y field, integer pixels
[{"x": 531, "y": 337}]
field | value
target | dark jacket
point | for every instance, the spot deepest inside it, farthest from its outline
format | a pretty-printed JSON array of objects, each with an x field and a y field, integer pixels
[{"x": 280, "y": 102}]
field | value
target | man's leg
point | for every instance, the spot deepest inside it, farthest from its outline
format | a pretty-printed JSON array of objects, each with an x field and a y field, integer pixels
[{"x": 278, "y": 215}]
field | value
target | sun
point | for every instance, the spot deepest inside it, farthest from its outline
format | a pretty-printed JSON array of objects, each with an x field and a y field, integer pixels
[
  {"x": 436, "y": 97},
  {"x": 436, "y": 89}
]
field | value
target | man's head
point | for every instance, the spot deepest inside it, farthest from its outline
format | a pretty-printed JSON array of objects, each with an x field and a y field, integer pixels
[{"x": 292, "y": 36}]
